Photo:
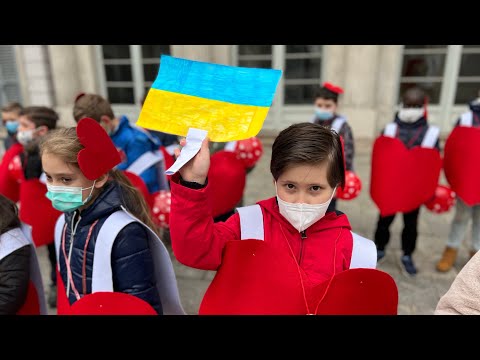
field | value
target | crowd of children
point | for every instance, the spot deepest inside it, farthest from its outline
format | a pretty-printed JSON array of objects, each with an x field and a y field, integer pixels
[{"x": 73, "y": 189}]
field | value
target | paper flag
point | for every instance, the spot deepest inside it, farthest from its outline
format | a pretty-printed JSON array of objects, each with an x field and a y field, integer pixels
[{"x": 229, "y": 102}]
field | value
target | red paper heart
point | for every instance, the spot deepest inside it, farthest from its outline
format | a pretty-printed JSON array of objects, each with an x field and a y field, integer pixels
[
  {"x": 360, "y": 292},
  {"x": 111, "y": 303},
  {"x": 138, "y": 182},
  {"x": 402, "y": 179},
  {"x": 100, "y": 154},
  {"x": 31, "y": 306},
  {"x": 37, "y": 211},
  {"x": 227, "y": 178},
  {"x": 461, "y": 163}
]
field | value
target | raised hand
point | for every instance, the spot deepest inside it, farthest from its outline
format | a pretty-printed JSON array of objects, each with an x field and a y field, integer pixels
[{"x": 196, "y": 170}]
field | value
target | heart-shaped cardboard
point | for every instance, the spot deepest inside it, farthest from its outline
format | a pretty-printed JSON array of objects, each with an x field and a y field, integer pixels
[
  {"x": 402, "y": 179},
  {"x": 462, "y": 163},
  {"x": 269, "y": 284},
  {"x": 100, "y": 154},
  {"x": 226, "y": 177},
  {"x": 360, "y": 292},
  {"x": 37, "y": 211},
  {"x": 31, "y": 306},
  {"x": 138, "y": 182},
  {"x": 10, "y": 175},
  {"x": 111, "y": 303}
]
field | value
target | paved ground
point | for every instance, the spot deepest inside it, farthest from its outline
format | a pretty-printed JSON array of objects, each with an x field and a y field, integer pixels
[{"x": 417, "y": 295}]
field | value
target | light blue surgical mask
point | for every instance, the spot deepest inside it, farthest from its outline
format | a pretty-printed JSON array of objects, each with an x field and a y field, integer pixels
[
  {"x": 323, "y": 114},
  {"x": 11, "y": 126},
  {"x": 67, "y": 198}
]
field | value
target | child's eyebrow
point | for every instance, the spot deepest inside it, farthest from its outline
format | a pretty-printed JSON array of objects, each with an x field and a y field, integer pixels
[{"x": 61, "y": 174}]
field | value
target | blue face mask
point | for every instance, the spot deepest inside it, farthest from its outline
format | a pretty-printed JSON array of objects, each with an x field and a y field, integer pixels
[
  {"x": 67, "y": 198},
  {"x": 323, "y": 114},
  {"x": 11, "y": 126}
]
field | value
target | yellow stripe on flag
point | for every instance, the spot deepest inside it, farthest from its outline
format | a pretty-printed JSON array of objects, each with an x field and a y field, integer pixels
[{"x": 175, "y": 113}]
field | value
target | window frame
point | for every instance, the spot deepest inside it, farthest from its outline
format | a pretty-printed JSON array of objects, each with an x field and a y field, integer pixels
[{"x": 446, "y": 111}]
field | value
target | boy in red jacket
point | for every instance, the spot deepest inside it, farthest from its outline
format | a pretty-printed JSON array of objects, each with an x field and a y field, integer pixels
[{"x": 272, "y": 257}]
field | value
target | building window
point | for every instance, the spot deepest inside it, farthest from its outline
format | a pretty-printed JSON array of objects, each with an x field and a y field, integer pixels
[
  {"x": 151, "y": 62},
  {"x": 9, "y": 87},
  {"x": 424, "y": 66},
  {"x": 302, "y": 73},
  {"x": 256, "y": 56},
  {"x": 301, "y": 65},
  {"x": 118, "y": 73},
  {"x": 468, "y": 82},
  {"x": 130, "y": 70}
]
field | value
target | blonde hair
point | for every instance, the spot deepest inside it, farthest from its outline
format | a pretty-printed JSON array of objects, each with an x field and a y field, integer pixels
[{"x": 65, "y": 144}]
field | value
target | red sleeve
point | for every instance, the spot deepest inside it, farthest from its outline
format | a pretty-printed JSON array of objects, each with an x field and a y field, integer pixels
[{"x": 196, "y": 240}]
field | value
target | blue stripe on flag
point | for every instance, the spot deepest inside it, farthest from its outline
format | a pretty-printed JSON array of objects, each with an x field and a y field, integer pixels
[{"x": 232, "y": 84}]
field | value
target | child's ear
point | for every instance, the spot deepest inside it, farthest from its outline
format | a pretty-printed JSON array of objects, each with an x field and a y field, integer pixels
[
  {"x": 101, "y": 181},
  {"x": 42, "y": 130},
  {"x": 105, "y": 120}
]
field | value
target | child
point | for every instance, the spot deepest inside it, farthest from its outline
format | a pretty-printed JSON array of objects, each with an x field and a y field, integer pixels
[
  {"x": 295, "y": 243},
  {"x": 462, "y": 298},
  {"x": 410, "y": 126},
  {"x": 98, "y": 199},
  {"x": 326, "y": 103},
  {"x": 463, "y": 212},
  {"x": 10, "y": 114},
  {"x": 138, "y": 146},
  {"x": 18, "y": 265},
  {"x": 35, "y": 210}
]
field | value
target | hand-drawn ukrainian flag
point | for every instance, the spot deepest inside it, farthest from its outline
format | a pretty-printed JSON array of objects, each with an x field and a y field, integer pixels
[{"x": 229, "y": 102}]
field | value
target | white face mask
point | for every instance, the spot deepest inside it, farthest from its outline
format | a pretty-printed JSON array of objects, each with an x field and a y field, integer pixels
[
  {"x": 24, "y": 137},
  {"x": 410, "y": 115},
  {"x": 302, "y": 216}
]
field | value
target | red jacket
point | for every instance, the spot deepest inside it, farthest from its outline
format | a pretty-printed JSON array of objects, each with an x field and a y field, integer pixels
[{"x": 199, "y": 242}]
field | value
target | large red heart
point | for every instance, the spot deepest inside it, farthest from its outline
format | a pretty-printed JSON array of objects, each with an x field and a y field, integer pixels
[
  {"x": 37, "y": 211},
  {"x": 111, "y": 303},
  {"x": 359, "y": 292},
  {"x": 402, "y": 179},
  {"x": 226, "y": 178},
  {"x": 461, "y": 163},
  {"x": 100, "y": 154}
]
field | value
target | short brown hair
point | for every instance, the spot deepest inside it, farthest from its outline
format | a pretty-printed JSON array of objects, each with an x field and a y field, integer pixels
[
  {"x": 92, "y": 106},
  {"x": 12, "y": 106},
  {"x": 312, "y": 144},
  {"x": 41, "y": 116}
]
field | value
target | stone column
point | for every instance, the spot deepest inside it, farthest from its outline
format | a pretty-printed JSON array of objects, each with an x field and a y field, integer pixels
[
  {"x": 193, "y": 52},
  {"x": 222, "y": 54},
  {"x": 34, "y": 75},
  {"x": 87, "y": 68},
  {"x": 358, "y": 102},
  {"x": 333, "y": 64},
  {"x": 66, "y": 80},
  {"x": 388, "y": 77}
]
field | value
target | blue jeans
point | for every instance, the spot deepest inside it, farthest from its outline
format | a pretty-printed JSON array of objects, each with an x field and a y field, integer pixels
[{"x": 463, "y": 214}]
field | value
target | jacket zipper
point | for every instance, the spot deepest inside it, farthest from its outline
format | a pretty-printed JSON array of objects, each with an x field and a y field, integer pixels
[
  {"x": 73, "y": 229},
  {"x": 303, "y": 234}
]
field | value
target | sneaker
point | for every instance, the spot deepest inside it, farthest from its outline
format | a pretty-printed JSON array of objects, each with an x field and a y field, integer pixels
[
  {"x": 408, "y": 265},
  {"x": 380, "y": 256},
  {"x": 52, "y": 296}
]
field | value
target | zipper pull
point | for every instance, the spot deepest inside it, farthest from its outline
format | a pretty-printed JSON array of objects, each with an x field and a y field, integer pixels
[{"x": 303, "y": 234}]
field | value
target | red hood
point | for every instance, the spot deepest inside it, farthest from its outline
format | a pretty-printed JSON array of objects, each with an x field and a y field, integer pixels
[{"x": 330, "y": 220}]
